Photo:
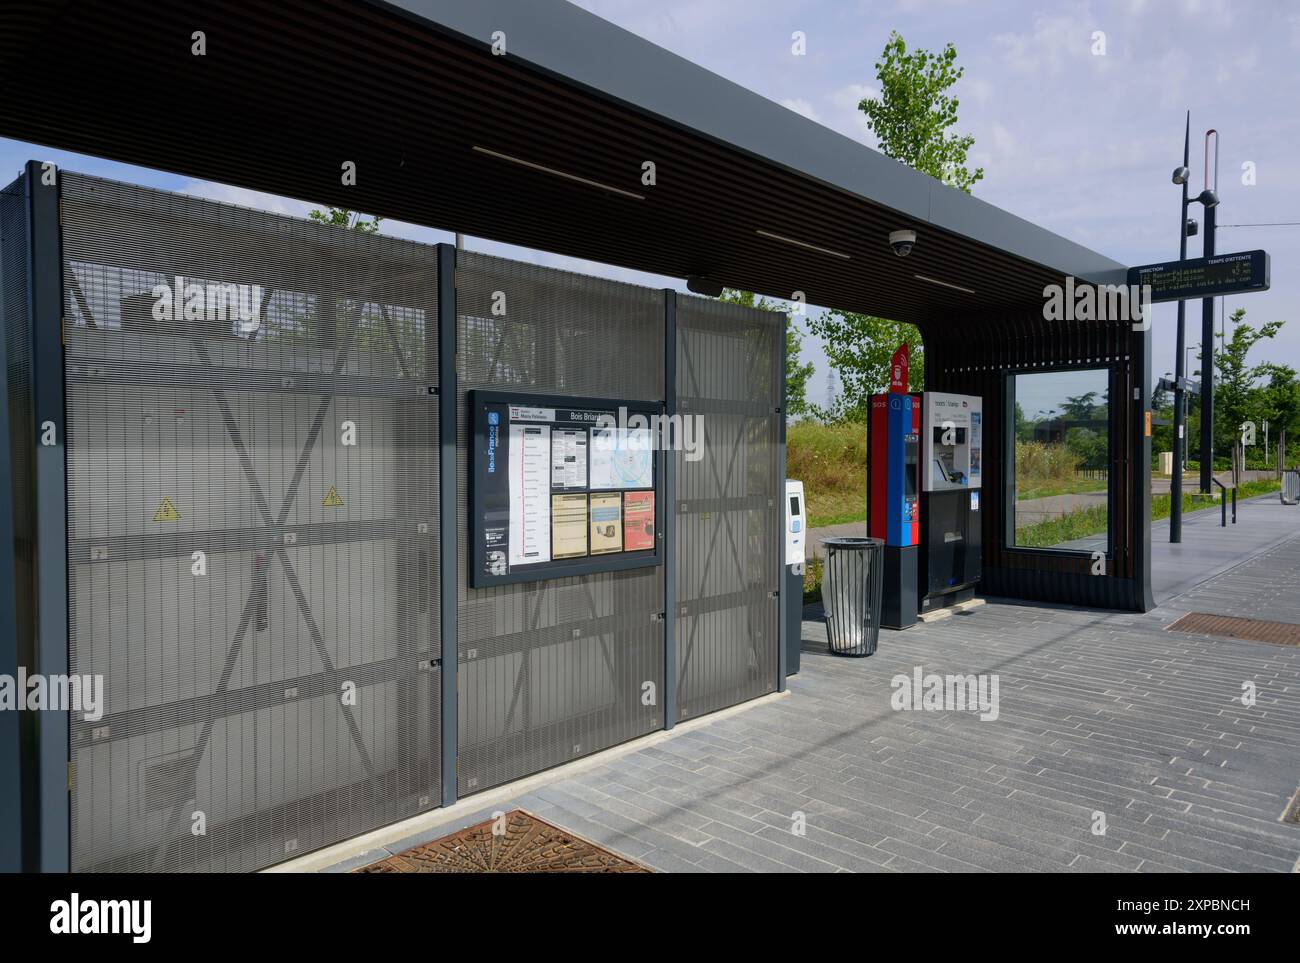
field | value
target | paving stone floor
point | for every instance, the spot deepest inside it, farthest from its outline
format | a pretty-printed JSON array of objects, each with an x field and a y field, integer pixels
[{"x": 1101, "y": 715}]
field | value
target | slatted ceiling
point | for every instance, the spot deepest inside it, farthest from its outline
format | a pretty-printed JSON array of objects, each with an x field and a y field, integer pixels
[{"x": 472, "y": 97}]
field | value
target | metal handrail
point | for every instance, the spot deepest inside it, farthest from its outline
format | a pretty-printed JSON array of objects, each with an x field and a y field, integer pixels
[{"x": 1223, "y": 504}]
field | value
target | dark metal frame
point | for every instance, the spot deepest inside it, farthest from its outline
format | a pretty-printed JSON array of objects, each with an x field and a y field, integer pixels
[
  {"x": 11, "y": 772},
  {"x": 447, "y": 409},
  {"x": 51, "y": 533},
  {"x": 1113, "y": 418},
  {"x": 783, "y": 599},
  {"x": 670, "y": 503},
  {"x": 563, "y": 568}
]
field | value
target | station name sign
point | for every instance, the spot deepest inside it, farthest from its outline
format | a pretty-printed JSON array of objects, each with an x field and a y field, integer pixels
[{"x": 1203, "y": 277}]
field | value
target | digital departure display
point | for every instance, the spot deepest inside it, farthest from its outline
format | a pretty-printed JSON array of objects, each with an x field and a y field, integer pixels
[{"x": 1203, "y": 277}]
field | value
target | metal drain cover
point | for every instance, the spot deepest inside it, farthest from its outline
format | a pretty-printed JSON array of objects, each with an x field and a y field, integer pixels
[
  {"x": 1231, "y": 627},
  {"x": 522, "y": 844}
]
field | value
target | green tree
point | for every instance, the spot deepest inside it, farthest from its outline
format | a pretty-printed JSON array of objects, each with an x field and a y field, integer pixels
[
  {"x": 1236, "y": 397},
  {"x": 351, "y": 220},
  {"x": 1280, "y": 400},
  {"x": 796, "y": 373},
  {"x": 859, "y": 347},
  {"x": 1081, "y": 407},
  {"x": 911, "y": 120},
  {"x": 914, "y": 111}
]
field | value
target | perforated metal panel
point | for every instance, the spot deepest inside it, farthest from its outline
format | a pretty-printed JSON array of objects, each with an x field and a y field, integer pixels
[
  {"x": 729, "y": 537},
  {"x": 280, "y": 690},
  {"x": 556, "y": 669}
]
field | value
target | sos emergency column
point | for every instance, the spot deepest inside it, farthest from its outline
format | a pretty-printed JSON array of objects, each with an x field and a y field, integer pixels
[{"x": 894, "y": 513}]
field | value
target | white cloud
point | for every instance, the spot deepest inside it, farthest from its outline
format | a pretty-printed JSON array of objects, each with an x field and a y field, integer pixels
[
  {"x": 844, "y": 114},
  {"x": 1053, "y": 45},
  {"x": 801, "y": 106}
]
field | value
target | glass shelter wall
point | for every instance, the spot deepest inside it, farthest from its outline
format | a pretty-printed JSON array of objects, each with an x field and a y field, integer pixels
[{"x": 1060, "y": 455}]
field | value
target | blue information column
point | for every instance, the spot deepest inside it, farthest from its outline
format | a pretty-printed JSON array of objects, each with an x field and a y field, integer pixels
[{"x": 894, "y": 508}]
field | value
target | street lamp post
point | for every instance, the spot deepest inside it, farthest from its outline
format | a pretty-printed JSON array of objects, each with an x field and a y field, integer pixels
[
  {"x": 1187, "y": 227},
  {"x": 1181, "y": 176},
  {"x": 1211, "y": 201}
]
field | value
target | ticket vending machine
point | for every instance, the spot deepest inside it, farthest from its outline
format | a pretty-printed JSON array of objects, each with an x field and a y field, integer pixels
[
  {"x": 796, "y": 534},
  {"x": 951, "y": 474},
  {"x": 894, "y": 510}
]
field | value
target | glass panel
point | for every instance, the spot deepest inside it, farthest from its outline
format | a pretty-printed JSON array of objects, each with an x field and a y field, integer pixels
[{"x": 1061, "y": 460}]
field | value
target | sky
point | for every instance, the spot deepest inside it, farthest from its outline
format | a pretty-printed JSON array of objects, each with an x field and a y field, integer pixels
[{"x": 1078, "y": 141}]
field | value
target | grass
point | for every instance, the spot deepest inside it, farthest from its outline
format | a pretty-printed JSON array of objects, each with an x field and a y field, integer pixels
[
  {"x": 1093, "y": 521},
  {"x": 1044, "y": 488},
  {"x": 812, "y": 581},
  {"x": 1053, "y": 531},
  {"x": 831, "y": 461},
  {"x": 1043, "y": 470}
]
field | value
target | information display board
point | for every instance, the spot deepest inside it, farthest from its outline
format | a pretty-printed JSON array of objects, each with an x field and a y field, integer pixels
[
  {"x": 562, "y": 486},
  {"x": 1203, "y": 277}
]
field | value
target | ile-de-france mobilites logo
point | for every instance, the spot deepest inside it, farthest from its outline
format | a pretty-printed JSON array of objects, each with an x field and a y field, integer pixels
[
  {"x": 494, "y": 423},
  {"x": 181, "y": 301}
]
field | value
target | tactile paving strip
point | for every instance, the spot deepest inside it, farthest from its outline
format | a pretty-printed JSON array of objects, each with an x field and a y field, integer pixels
[
  {"x": 1231, "y": 627},
  {"x": 522, "y": 844}
]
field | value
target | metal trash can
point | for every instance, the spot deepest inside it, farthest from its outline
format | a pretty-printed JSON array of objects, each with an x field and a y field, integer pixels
[
  {"x": 1291, "y": 486},
  {"x": 852, "y": 587}
]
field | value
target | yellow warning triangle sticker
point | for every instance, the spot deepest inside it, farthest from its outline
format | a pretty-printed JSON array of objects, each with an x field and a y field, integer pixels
[
  {"x": 166, "y": 512},
  {"x": 332, "y": 499}
]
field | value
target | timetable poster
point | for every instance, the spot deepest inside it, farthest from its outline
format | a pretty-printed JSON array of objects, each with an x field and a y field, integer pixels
[
  {"x": 638, "y": 521},
  {"x": 530, "y": 506},
  {"x": 568, "y": 526},
  {"x": 569, "y": 459},
  {"x": 606, "y": 523}
]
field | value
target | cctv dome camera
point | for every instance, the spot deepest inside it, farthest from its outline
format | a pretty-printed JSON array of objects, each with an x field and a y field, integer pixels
[{"x": 902, "y": 242}]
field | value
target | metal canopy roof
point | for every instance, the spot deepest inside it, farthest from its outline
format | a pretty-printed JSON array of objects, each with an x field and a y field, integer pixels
[{"x": 542, "y": 147}]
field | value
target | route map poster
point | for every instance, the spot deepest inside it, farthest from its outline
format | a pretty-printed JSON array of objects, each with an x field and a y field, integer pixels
[{"x": 562, "y": 486}]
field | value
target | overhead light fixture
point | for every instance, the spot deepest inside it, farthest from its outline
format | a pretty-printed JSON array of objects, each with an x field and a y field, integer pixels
[
  {"x": 943, "y": 284},
  {"x": 803, "y": 244},
  {"x": 551, "y": 170},
  {"x": 1181, "y": 174},
  {"x": 1208, "y": 198}
]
